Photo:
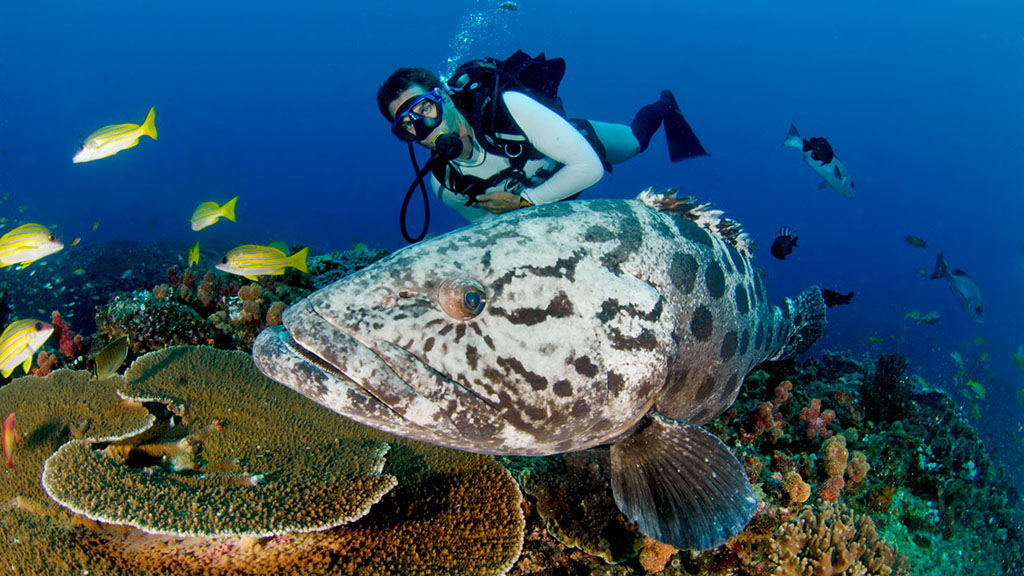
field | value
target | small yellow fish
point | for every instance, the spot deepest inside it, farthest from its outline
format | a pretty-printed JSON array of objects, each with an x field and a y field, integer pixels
[
  {"x": 209, "y": 212},
  {"x": 1018, "y": 359},
  {"x": 95, "y": 225},
  {"x": 916, "y": 242},
  {"x": 76, "y": 241},
  {"x": 110, "y": 140},
  {"x": 19, "y": 342},
  {"x": 26, "y": 244},
  {"x": 977, "y": 388},
  {"x": 875, "y": 340},
  {"x": 252, "y": 261},
  {"x": 79, "y": 271},
  {"x": 10, "y": 439},
  {"x": 926, "y": 318},
  {"x": 193, "y": 255}
]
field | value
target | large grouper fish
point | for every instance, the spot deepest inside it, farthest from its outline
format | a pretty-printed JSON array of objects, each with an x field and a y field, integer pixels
[{"x": 557, "y": 328}]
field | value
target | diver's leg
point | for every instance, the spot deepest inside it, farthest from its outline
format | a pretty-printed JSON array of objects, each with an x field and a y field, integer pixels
[
  {"x": 682, "y": 142},
  {"x": 649, "y": 118},
  {"x": 620, "y": 143}
]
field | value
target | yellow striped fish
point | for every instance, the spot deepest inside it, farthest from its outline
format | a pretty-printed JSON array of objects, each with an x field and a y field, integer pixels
[
  {"x": 26, "y": 244},
  {"x": 110, "y": 140},
  {"x": 209, "y": 212},
  {"x": 252, "y": 260},
  {"x": 19, "y": 342}
]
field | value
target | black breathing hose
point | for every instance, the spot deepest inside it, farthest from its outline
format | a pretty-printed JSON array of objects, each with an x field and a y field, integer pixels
[
  {"x": 446, "y": 147},
  {"x": 408, "y": 196}
]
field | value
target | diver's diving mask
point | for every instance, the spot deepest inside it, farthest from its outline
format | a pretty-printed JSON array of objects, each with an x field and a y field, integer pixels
[{"x": 418, "y": 116}]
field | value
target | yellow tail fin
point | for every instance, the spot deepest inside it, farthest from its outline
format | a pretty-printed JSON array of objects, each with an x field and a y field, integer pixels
[
  {"x": 149, "y": 126},
  {"x": 298, "y": 260},
  {"x": 228, "y": 209}
]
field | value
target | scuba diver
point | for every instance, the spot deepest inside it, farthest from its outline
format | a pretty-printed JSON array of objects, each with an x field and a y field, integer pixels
[{"x": 500, "y": 140}]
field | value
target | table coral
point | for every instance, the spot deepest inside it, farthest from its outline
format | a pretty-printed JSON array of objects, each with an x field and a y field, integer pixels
[
  {"x": 51, "y": 410},
  {"x": 452, "y": 512},
  {"x": 280, "y": 477}
]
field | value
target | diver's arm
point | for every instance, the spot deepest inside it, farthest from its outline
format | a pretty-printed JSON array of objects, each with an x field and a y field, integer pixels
[
  {"x": 555, "y": 138},
  {"x": 453, "y": 200}
]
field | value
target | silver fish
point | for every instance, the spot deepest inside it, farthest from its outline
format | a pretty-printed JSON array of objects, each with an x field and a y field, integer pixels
[
  {"x": 964, "y": 288},
  {"x": 558, "y": 328},
  {"x": 819, "y": 156}
]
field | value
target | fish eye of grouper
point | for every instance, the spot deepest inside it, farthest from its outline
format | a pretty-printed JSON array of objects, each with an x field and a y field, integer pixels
[
  {"x": 473, "y": 301},
  {"x": 461, "y": 298}
]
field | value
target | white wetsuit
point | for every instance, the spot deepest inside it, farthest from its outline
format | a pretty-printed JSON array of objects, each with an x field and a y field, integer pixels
[{"x": 552, "y": 136}]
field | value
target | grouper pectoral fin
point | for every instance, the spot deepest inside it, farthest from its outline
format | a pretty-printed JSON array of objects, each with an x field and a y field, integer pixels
[{"x": 681, "y": 484}]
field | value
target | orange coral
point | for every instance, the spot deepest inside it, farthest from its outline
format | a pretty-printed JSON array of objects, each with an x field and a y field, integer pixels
[
  {"x": 857, "y": 469},
  {"x": 161, "y": 291},
  {"x": 798, "y": 490},
  {"x": 274, "y": 313},
  {"x": 655, "y": 555},
  {"x": 835, "y": 456},
  {"x": 829, "y": 491}
]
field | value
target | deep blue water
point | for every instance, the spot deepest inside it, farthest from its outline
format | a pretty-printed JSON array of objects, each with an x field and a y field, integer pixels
[{"x": 275, "y": 103}]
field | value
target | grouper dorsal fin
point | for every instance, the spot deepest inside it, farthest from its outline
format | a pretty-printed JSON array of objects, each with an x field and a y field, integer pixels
[
  {"x": 681, "y": 484},
  {"x": 700, "y": 213}
]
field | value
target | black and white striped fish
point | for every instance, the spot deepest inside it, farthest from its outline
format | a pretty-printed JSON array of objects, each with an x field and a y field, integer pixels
[{"x": 558, "y": 328}]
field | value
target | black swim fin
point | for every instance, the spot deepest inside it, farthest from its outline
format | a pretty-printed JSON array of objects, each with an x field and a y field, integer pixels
[
  {"x": 681, "y": 484},
  {"x": 682, "y": 141}
]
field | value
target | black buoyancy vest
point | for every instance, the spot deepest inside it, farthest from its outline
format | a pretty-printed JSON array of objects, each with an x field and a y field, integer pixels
[{"x": 477, "y": 88}]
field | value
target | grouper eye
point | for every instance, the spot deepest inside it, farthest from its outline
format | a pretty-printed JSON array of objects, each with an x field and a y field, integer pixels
[{"x": 461, "y": 298}]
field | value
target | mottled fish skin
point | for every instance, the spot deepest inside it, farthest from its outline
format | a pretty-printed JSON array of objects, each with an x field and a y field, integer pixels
[{"x": 597, "y": 313}]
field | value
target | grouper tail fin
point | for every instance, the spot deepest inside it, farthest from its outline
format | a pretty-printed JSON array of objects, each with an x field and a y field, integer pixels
[
  {"x": 807, "y": 315},
  {"x": 681, "y": 484}
]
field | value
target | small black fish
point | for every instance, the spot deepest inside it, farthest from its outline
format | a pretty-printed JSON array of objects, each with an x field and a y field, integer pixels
[
  {"x": 820, "y": 149},
  {"x": 784, "y": 244},
  {"x": 833, "y": 298},
  {"x": 916, "y": 242}
]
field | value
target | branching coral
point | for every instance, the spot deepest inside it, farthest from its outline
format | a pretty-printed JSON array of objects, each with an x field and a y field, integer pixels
[{"x": 834, "y": 542}]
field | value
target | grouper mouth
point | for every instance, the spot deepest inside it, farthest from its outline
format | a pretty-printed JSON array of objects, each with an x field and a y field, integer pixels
[{"x": 371, "y": 383}]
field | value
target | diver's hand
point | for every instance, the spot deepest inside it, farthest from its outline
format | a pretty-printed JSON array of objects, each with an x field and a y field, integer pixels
[{"x": 498, "y": 202}]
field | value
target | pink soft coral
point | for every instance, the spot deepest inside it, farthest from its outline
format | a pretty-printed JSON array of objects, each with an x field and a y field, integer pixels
[{"x": 817, "y": 421}]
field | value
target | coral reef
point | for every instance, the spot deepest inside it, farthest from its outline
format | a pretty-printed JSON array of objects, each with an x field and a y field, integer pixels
[
  {"x": 886, "y": 396},
  {"x": 574, "y": 497},
  {"x": 325, "y": 269},
  {"x": 152, "y": 323},
  {"x": 450, "y": 513}
]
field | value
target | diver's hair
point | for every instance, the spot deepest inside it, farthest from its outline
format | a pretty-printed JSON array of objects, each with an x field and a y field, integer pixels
[{"x": 400, "y": 81}]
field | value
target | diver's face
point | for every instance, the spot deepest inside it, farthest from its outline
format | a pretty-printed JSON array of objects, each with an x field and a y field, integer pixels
[{"x": 421, "y": 115}]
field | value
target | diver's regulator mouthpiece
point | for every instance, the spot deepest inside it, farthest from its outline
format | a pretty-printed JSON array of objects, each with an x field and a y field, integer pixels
[{"x": 447, "y": 146}]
